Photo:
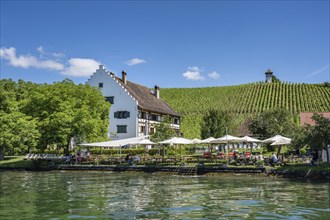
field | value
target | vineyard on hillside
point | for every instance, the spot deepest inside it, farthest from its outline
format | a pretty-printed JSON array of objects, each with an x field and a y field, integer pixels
[{"x": 245, "y": 100}]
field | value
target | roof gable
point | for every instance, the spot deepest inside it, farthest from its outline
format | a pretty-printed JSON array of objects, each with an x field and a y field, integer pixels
[{"x": 147, "y": 100}]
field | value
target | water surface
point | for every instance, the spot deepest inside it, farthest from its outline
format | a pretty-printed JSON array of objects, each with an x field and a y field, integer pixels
[{"x": 110, "y": 195}]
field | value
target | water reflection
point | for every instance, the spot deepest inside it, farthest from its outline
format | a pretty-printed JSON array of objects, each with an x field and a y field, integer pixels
[{"x": 77, "y": 195}]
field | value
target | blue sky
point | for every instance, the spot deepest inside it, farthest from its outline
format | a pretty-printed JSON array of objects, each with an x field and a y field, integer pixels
[{"x": 168, "y": 43}]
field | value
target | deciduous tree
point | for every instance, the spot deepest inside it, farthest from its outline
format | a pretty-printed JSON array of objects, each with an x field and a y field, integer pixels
[
  {"x": 215, "y": 123},
  {"x": 163, "y": 131}
]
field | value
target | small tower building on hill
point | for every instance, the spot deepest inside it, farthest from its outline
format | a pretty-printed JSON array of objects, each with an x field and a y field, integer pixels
[{"x": 269, "y": 76}]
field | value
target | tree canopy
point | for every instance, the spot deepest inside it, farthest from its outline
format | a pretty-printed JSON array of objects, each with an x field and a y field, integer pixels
[
  {"x": 163, "y": 131},
  {"x": 37, "y": 116},
  {"x": 273, "y": 122},
  {"x": 215, "y": 123},
  {"x": 318, "y": 136}
]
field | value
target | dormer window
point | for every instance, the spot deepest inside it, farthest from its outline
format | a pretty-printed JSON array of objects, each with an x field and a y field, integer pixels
[{"x": 100, "y": 85}]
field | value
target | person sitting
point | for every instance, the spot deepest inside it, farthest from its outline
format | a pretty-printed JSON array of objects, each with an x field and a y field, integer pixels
[
  {"x": 260, "y": 157},
  {"x": 128, "y": 159},
  {"x": 235, "y": 155},
  {"x": 137, "y": 158},
  {"x": 67, "y": 159},
  {"x": 79, "y": 158},
  {"x": 315, "y": 157},
  {"x": 273, "y": 159}
]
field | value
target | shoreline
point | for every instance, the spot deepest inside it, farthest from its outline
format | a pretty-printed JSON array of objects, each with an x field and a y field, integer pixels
[{"x": 188, "y": 171}]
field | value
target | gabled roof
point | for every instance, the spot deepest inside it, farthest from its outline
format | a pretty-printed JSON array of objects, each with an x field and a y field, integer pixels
[{"x": 146, "y": 100}]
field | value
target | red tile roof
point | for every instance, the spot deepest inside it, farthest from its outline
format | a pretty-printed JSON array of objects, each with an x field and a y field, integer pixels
[{"x": 306, "y": 117}]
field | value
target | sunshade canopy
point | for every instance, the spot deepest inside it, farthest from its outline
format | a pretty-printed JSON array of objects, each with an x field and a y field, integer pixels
[
  {"x": 278, "y": 139},
  {"x": 143, "y": 142},
  {"x": 177, "y": 140},
  {"x": 207, "y": 140},
  {"x": 116, "y": 143},
  {"x": 250, "y": 139},
  {"x": 196, "y": 141},
  {"x": 227, "y": 138}
]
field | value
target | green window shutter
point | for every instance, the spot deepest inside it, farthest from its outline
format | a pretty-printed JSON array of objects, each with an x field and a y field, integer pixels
[
  {"x": 127, "y": 114},
  {"x": 116, "y": 114}
]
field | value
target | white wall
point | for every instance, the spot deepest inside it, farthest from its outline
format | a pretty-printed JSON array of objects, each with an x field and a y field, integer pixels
[{"x": 123, "y": 101}]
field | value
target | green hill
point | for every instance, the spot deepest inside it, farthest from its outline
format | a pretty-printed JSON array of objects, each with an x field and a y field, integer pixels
[{"x": 244, "y": 101}]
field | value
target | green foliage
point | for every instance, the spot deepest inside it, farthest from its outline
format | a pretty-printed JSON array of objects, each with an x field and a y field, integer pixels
[
  {"x": 271, "y": 123},
  {"x": 34, "y": 115},
  {"x": 244, "y": 101},
  {"x": 298, "y": 138},
  {"x": 163, "y": 131},
  {"x": 215, "y": 123},
  {"x": 275, "y": 79},
  {"x": 318, "y": 136},
  {"x": 18, "y": 133}
]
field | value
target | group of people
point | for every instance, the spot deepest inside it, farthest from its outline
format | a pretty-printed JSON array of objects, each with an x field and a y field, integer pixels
[
  {"x": 259, "y": 157},
  {"x": 75, "y": 158},
  {"x": 129, "y": 159}
]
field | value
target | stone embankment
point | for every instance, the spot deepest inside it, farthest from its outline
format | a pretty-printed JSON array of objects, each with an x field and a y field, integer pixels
[
  {"x": 308, "y": 174},
  {"x": 198, "y": 170},
  {"x": 202, "y": 170}
]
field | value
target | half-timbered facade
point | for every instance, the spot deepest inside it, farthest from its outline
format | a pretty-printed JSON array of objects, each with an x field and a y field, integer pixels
[{"x": 135, "y": 109}]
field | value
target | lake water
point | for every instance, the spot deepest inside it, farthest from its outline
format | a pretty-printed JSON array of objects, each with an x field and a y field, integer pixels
[{"x": 109, "y": 195}]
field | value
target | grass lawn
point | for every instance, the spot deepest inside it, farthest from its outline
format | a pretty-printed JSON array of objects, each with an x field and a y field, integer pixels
[{"x": 17, "y": 162}]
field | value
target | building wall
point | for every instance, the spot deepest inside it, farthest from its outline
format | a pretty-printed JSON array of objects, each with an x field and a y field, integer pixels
[
  {"x": 306, "y": 117},
  {"x": 123, "y": 101}
]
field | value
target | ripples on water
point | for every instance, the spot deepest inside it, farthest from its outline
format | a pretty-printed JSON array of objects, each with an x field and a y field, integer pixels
[{"x": 107, "y": 195}]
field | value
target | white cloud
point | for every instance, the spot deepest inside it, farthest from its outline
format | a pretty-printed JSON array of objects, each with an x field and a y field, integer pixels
[
  {"x": 58, "y": 55},
  {"x": 81, "y": 67},
  {"x": 214, "y": 75},
  {"x": 193, "y": 73},
  {"x": 318, "y": 71},
  {"x": 27, "y": 61},
  {"x": 41, "y": 50},
  {"x": 135, "y": 61},
  {"x": 78, "y": 67},
  {"x": 195, "y": 69}
]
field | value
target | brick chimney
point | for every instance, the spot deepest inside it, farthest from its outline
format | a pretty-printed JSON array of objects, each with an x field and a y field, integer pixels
[
  {"x": 157, "y": 92},
  {"x": 123, "y": 77}
]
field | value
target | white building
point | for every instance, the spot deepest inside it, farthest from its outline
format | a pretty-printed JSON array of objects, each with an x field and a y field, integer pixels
[
  {"x": 135, "y": 109},
  {"x": 269, "y": 76}
]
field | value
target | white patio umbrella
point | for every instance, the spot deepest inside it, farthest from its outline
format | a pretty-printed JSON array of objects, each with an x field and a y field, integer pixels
[
  {"x": 278, "y": 140},
  {"x": 177, "y": 141},
  {"x": 143, "y": 142},
  {"x": 248, "y": 139},
  {"x": 115, "y": 143},
  {"x": 226, "y": 139},
  {"x": 207, "y": 140},
  {"x": 281, "y": 142},
  {"x": 196, "y": 141}
]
